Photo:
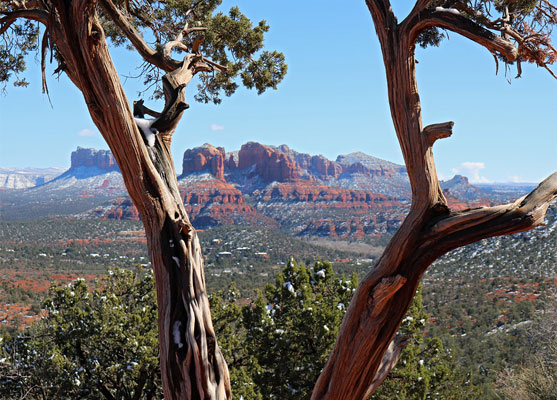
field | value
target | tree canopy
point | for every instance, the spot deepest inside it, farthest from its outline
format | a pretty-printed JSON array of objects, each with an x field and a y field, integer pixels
[{"x": 163, "y": 32}]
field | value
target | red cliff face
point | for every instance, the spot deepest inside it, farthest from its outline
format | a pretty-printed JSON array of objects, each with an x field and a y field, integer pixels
[
  {"x": 205, "y": 158},
  {"x": 319, "y": 210},
  {"x": 324, "y": 168},
  {"x": 327, "y": 197},
  {"x": 102, "y": 159},
  {"x": 270, "y": 164},
  {"x": 274, "y": 164},
  {"x": 213, "y": 202},
  {"x": 208, "y": 203}
]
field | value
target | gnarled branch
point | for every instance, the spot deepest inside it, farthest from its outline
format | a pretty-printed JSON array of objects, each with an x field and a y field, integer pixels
[
  {"x": 140, "y": 109},
  {"x": 147, "y": 52},
  {"x": 35, "y": 15},
  {"x": 473, "y": 225},
  {"x": 388, "y": 363},
  {"x": 454, "y": 21}
]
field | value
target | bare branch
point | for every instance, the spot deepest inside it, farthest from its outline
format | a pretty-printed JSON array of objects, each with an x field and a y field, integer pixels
[
  {"x": 454, "y": 21},
  {"x": 139, "y": 110},
  {"x": 147, "y": 52},
  {"x": 219, "y": 67},
  {"x": 388, "y": 362},
  {"x": 550, "y": 71},
  {"x": 167, "y": 49},
  {"x": 438, "y": 131},
  {"x": 473, "y": 225}
]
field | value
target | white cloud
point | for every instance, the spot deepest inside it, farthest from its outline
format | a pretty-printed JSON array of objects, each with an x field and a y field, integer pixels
[
  {"x": 515, "y": 178},
  {"x": 87, "y": 133},
  {"x": 215, "y": 127},
  {"x": 471, "y": 169}
]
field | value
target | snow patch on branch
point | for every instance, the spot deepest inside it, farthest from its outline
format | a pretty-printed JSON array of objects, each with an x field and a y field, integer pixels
[
  {"x": 289, "y": 286},
  {"x": 450, "y": 10},
  {"x": 145, "y": 125}
]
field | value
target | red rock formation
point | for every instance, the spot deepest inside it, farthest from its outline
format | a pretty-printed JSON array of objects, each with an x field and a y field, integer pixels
[
  {"x": 205, "y": 158},
  {"x": 321, "y": 195},
  {"x": 274, "y": 164},
  {"x": 213, "y": 202},
  {"x": 270, "y": 164},
  {"x": 325, "y": 168},
  {"x": 102, "y": 159}
]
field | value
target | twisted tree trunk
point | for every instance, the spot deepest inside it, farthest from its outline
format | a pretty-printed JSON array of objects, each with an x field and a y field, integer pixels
[
  {"x": 192, "y": 365},
  {"x": 367, "y": 348}
]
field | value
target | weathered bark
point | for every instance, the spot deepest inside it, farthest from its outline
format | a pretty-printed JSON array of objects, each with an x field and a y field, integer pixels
[
  {"x": 192, "y": 365},
  {"x": 366, "y": 348}
]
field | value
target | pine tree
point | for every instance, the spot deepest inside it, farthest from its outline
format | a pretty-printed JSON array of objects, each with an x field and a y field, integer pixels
[
  {"x": 99, "y": 344},
  {"x": 292, "y": 328}
]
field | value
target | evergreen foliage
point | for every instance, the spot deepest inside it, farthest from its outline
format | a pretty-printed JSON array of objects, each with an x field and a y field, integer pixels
[
  {"x": 102, "y": 343},
  {"x": 286, "y": 334},
  {"x": 99, "y": 344},
  {"x": 426, "y": 369},
  {"x": 291, "y": 330},
  {"x": 229, "y": 39}
]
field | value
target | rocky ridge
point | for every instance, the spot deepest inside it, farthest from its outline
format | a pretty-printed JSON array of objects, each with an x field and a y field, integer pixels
[
  {"x": 354, "y": 197},
  {"x": 256, "y": 164}
]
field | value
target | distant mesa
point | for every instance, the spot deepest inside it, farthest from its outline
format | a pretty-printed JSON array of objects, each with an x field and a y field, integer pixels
[
  {"x": 101, "y": 159},
  {"x": 93, "y": 171},
  {"x": 205, "y": 158},
  {"x": 459, "y": 187},
  {"x": 22, "y": 178}
]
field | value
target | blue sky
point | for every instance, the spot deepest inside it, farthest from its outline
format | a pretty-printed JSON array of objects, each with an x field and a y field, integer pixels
[{"x": 333, "y": 101}]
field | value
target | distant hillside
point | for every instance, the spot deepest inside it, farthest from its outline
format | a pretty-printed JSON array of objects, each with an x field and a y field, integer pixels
[
  {"x": 21, "y": 178},
  {"x": 93, "y": 178}
]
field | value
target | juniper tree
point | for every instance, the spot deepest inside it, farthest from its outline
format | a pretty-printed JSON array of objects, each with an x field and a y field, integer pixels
[
  {"x": 91, "y": 344},
  {"x": 514, "y": 32},
  {"x": 178, "y": 40}
]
